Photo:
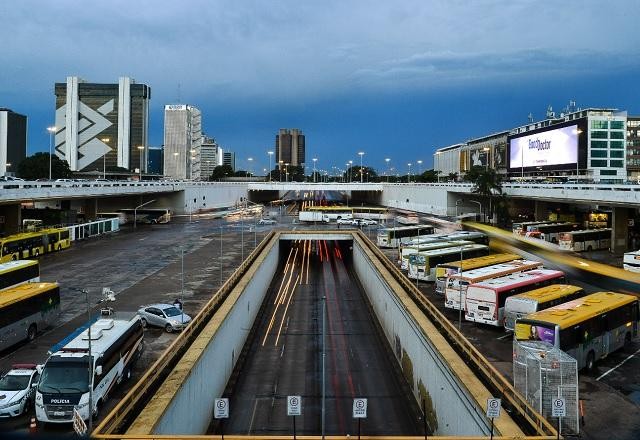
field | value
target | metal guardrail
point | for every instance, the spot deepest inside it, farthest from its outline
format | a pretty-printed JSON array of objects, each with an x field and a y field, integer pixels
[
  {"x": 310, "y": 437},
  {"x": 154, "y": 376},
  {"x": 489, "y": 374}
]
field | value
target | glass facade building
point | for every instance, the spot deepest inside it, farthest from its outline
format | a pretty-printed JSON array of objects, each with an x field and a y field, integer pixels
[
  {"x": 290, "y": 147},
  {"x": 13, "y": 141}
]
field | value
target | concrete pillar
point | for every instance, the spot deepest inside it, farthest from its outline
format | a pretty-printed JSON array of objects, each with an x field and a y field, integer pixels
[
  {"x": 541, "y": 210},
  {"x": 90, "y": 209},
  {"x": 10, "y": 219},
  {"x": 619, "y": 230}
]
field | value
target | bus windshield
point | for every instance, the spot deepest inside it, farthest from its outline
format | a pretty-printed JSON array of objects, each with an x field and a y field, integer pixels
[
  {"x": 528, "y": 331},
  {"x": 61, "y": 375}
]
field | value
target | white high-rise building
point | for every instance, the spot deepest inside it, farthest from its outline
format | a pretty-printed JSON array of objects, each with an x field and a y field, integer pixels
[
  {"x": 182, "y": 141},
  {"x": 210, "y": 157}
]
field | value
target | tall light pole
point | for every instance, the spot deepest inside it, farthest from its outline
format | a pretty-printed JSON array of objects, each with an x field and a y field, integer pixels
[
  {"x": 250, "y": 166},
  {"x": 361, "y": 153},
  {"x": 350, "y": 167},
  {"x": 409, "y": 176},
  {"x": 315, "y": 159},
  {"x": 270, "y": 153},
  {"x": 141, "y": 149},
  {"x": 286, "y": 171},
  {"x": 387, "y": 160},
  {"x": 104, "y": 158},
  {"x": 193, "y": 152},
  {"x": 135, "y": 212},
  {"x": 419, "y": 167},
  {"x": 486, "y": 151},
  {"x": 280, "y": 163},
  {"x": 52, "y": 131}
]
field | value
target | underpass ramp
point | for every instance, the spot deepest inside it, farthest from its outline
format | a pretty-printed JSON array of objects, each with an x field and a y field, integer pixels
[{"x": 445, "y": 374}]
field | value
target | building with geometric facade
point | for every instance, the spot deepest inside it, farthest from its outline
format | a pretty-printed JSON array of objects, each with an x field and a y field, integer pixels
[
  {"x": 13, "y": 141},
  {"x": 210, "y": 157},
  {"x": 290, "y": 147},
  {"x": 102, "y": 125},
  {"x": 182, "y": 141}
]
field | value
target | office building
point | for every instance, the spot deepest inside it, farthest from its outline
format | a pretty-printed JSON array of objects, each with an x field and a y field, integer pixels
[
  {"x": 290, "y": 147},
  {"x": 13, "y": 141},
  {"x": 155, "y": 164},
  {"x": 182, "y": 141},
  {"x": 633, "y": 148},
  {"x": 102, "y": 126},
  {"x": 229, "y": 158},
  {"x": 210, "y": 157}
]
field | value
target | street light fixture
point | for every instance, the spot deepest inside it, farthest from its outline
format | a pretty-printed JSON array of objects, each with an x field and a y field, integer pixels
[
  {"x": 361, "y": 153},
  {"x": 140, "y": 149},
  {"x": 387, "y": 160},
  {"x": 104, "y": 158},
  {"x": 135, "y": 212},
  {"x": 409, "y": 176},
  {"x": 486, "y": 150},
  {"x": 270, "y": 153},
  {"x": 419, "y": 167},
  {"x": 315, "y": 159},
  {"x": 52, "y": 131},
  {"x": 250, "y": 159},
  {"x": 350, "y": 167}
]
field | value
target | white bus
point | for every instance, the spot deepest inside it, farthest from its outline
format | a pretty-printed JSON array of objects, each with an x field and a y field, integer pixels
[
  {"x": 485, "y": 300},
  {"x": 14, "y": 273},
  {"x": 586, "y": 240},
  {"x": 550, "y": 232},
  {"x": 423, "y": 247},
  {"x": 631, "y": 261},
  {"x": 26, "y": 309},
  {"x": 520, "y": 228},
  {"x": 445, "y": 269},
  {"x": 325, "y": 213},
  {"x": 64, "y": 382},
  {"x": 519, "y": 306},
  {"x": 456, "y": 290},
  {"x": 422, "y": 266},
  {"x": 393, "y": 237},
  {"x": 474, "y": 236}
]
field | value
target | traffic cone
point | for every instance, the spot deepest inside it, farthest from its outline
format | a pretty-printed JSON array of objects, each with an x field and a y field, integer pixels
[{"x": 33, "y": 427}]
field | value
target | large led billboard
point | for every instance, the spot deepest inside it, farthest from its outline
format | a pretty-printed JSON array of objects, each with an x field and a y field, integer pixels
[{"x": 546, "y": 148}]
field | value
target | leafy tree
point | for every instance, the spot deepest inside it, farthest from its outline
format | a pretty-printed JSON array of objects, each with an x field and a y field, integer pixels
[
  {"x": 368, "y": 174},
  {"x": 37, "y": 167},
  {"x": 487, "y": 183},
  {"x": 242, "y": 173},
  {"x": 429, "y": 176},
  {"x": 220, "y": 172},
  {"x": 452, "y": 177},
  {"x": 317, "y": 175}
]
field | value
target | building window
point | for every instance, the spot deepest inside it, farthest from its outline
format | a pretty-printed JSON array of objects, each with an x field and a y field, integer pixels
[
  {"x": 599, "y": 124},
  {"x": 598, "y": 163},
  {"x": 608, "y": 172},
  {"x": 599, "y": 153},
  {"x": 599, "y": 134},
  {"x": 616, "y": 134},
  {"x": 617, "y": 144},
  {"x": 617, "y": 125},
  {"x": 615, "y": 153},
  {"x": 598, "y": 144},
  {"x": 616, "y": 163}
]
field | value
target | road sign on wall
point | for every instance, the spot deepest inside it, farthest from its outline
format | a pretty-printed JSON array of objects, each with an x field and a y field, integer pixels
[
  {"x": 493, "y": 408},
  {"x": 221, "y": 409},
  {"x": 359, "y": 408},
  {"x": 294, "y": 405}
]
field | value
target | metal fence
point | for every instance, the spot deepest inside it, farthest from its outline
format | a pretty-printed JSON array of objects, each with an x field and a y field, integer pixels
[{"x": 541, "y": 373}]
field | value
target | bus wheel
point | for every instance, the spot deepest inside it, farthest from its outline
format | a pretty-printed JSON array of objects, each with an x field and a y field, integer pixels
[
  {"x": 14, "y": 257},
  {"x": 36, "y": 252},
  {"x": 31, "y": 333},
  {"x": 590, "y": 248},
  {"x": 59, "y": 247},
  {"x": 591, "y": 360}
]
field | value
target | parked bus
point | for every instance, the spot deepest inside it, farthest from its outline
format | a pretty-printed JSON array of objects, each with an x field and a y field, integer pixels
[
  {"x": 422, "y": 266},
  {"x": 64, "y": 382},
  {"x": 33, "y": 244},
  {"x": 26, "y": 309},
  {"x": 550, "y": 231},
  {"x": 485, "y": 300},
  {"x": 454, "y": 267},
  {"x": 457, "y": 284},
  {"x": 631, "y": 261},
  {"x": 393, "y": 237},
  {"x": 523, "y": 304},
  {"x": 14, "y": 273},
  {"x": 476, "y": 237},
  {"x": 587, "y": 329},
  {"x": 586, "y": 240},
  {"x": 520, "y": 228},
  {"x": 423, "y": 247}
]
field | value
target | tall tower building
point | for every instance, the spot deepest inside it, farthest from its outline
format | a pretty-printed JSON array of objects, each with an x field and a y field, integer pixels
[
  {"x": 102, "y": 125},
  {"x": 290, "y": 147},
  {"x": 182, "y": 141},
  {"x": 210, "y": 157},
  {"x": 13, "y": 140}
]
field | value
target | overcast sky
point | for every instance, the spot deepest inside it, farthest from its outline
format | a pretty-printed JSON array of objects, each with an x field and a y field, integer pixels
[{"x": 392, "y": 79}]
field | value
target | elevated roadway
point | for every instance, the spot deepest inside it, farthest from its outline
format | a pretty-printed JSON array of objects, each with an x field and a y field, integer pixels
[{"x": 441, "y": 369}]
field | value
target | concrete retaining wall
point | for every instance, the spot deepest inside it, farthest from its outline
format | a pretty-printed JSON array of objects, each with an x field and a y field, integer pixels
[
  {"x": 450, "y": 408},
  {"x": 210, "y": 373}
]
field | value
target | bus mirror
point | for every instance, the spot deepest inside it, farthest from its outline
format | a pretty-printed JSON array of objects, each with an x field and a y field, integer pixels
[
  {"x": 99, "y": 370},
  {"x": 39, "y": 369}
]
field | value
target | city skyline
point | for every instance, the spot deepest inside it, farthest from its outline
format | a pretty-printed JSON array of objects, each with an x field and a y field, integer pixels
[{"x": 394, "y": 81}]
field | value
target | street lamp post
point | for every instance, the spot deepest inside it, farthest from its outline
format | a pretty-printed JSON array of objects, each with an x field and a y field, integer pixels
[
  {"x": 270, "y": 153},
  {"x": 350, "y": 167},
  {"x": 280, "y": 163},
  {"x": 52, "y": 131},
  {"x": 141, "y": 150},
  {"x": 135, "y": 212},
  {"x": 286, "y": 171},
  {"x": 250, "y": 166},
  {"x": 419, "y": 167},
  {"x": 361, "y": 153},
  {"x": 104, "y": 159},
  {"x": 486, "y": 151},
  {"x": 387, "y": 160},
  {"x": 409, "y": 176},
  {"x": 314, "y": 169}
]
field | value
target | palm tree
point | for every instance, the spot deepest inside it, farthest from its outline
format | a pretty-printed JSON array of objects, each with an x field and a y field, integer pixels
[{"x": 487, "y": 183}]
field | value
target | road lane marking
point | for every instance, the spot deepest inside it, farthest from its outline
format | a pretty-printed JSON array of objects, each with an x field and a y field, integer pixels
[
  {"x": 282, "y": 351},
  {"x": 508, "y": 335},
  {"x": 253, "y": 415},
  {"x": 620, "y": 364}
]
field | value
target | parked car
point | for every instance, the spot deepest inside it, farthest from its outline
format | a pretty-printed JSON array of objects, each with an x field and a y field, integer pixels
[
  {"x": 365, "y": 222},
  {"x": 344, "y": 221},
  {"x": 10, "y": 179},
  {"x": 266, "y": 221},
  {"x": 166, "y": 316},
  {"x": 17, "y": 389}
]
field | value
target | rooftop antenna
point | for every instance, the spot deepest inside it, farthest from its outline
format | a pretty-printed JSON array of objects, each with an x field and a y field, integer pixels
[
  {"x": 530, "y": 117},
  {"x": 550, "y": 113}
]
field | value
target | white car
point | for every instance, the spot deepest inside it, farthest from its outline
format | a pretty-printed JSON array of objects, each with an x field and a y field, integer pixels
[
  {"x": 17, "y": 390},
  {"x": 344, "y": 221},
  {"x": 266, "y": 221},
  {"x": 167, "y": 316},
  {"x": 367, "y": 222}
]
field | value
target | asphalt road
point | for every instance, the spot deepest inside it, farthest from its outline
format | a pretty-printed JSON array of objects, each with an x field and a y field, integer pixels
[{"x": 286, "y": 356}]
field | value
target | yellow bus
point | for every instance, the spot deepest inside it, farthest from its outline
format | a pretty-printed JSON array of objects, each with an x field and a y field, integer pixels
[
  {"x": 454, "y": 267},
  {"x": 587, "y": 329},
  {"x": 33, "y": 244},
  {"x": 521, "y": 305},
  {"x": 14, "y": 273}
]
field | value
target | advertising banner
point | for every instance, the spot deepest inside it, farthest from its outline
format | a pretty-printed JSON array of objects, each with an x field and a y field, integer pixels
[{"x": 553, "y": 147}]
